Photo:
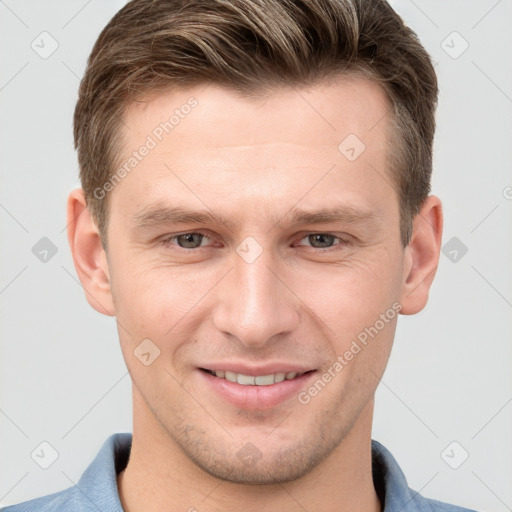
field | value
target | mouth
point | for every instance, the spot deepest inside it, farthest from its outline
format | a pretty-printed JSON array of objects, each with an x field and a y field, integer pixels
[
  {"x": 252, "y": 387},
  {"x": 255, "y": 380}
]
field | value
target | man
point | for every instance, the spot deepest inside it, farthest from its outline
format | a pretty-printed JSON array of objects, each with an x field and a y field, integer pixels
[{"x": 255, "y": 213}]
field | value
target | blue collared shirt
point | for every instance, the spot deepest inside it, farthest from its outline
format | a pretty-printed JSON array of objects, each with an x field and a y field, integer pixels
[{"x": 97, "y": 488}]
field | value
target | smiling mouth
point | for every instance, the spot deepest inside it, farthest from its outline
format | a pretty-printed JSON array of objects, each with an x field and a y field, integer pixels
[{"x": 255, "y": 380}]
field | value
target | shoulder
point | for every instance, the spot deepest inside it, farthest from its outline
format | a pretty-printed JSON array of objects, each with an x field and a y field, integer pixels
[
  {"x": 97, "y": 488},
  {"x": 393, "y": 490},
  {"x": 430, "y": 505},
  {"x": 60, "y": 501}
]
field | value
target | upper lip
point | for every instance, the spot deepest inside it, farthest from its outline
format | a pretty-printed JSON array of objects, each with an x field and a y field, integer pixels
[{"x": 256, "y": 370}]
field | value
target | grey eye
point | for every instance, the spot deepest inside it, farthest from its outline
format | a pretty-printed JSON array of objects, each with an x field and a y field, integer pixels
[
  {"x": 190, "y": 240},
  {"x": 322, "y": 239}
]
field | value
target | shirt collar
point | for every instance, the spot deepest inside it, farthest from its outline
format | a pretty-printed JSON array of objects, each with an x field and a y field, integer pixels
[
  {"x": 97, "y": 488},
  {"x": 391, "y": 484},
  {"x": 98, "y": 484}
]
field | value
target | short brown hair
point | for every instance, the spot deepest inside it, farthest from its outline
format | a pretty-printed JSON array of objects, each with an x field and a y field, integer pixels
[{"x": 250, "y": 46}]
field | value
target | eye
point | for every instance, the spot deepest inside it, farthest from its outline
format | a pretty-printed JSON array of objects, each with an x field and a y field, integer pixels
[
  {"x": 324, "y": 240},
  {"x": 186, "y": 240},
  {"x": 194, "y": 240}
]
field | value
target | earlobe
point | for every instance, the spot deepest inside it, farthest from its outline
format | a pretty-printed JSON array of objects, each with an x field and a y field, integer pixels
[
  {"x": 88, "y": 254},
  {"x": 422, "y": 256}
]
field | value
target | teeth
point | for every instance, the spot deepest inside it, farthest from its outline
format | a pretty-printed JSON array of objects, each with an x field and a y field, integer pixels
[
  {"x": 251, "y": 380},
  {"x": 231, "y": 376},
  {"x": 264, "y": 380},
  {"x": 246, "y": 380}
]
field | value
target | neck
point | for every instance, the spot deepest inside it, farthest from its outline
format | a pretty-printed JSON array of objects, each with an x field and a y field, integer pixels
[{"x": 159, "y": 476}]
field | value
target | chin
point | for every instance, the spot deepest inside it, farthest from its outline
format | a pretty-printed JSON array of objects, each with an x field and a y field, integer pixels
[{"x": 248, "y": 465}]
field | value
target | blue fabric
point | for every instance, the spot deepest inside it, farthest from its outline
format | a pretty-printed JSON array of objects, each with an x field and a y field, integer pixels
[{"x": 96, "y": 490}]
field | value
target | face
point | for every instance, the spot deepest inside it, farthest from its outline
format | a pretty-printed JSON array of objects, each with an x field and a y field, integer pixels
[{"x": 258, "y": 239}]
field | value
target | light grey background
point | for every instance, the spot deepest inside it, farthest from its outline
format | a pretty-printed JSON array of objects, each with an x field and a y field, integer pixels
[{"x": 62, "y": 376}]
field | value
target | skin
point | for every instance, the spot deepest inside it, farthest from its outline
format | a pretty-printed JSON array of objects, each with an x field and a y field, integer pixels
[{"x": 253, "y": 162}]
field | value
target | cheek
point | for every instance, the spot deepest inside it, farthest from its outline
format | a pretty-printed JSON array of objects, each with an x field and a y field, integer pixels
[
  {"x": 348, "y": 297},
  {"x": 163, "y": 302},
  {"x": 157, "y": 301}
]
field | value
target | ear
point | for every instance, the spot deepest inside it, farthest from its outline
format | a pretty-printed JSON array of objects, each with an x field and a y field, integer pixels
[
  {"x": 422, "y": 256},
  {"x": 90, "y": 259}
]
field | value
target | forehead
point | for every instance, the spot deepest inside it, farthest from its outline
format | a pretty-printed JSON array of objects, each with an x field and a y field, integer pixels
[
  {"x": 208, "y": 144},
  {"x": 324, "y": 110}
]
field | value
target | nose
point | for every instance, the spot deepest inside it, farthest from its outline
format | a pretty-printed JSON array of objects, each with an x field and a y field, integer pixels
[{"x": 254, "y": 302}]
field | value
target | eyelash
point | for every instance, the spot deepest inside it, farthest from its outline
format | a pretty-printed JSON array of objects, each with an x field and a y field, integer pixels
[{"x": 166, "y": 242}]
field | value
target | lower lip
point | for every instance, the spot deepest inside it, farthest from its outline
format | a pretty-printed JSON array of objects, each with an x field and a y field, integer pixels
[{"x": 256, "y": 397}]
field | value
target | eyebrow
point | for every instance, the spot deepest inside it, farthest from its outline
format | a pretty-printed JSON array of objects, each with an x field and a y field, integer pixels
[
  {"x": 166, "y": 215},
  {"x": 162, "y": 216},
  {"x": 347, "y": 214}
]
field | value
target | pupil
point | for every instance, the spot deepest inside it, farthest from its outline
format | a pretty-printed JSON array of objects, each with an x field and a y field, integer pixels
[
  {"x": 327, "y": 240},
  {"x": 189, "y": 240}
]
